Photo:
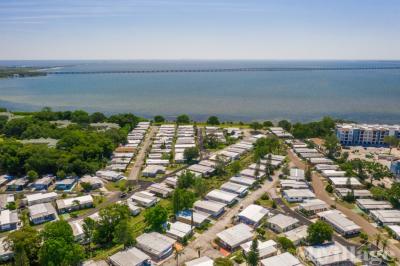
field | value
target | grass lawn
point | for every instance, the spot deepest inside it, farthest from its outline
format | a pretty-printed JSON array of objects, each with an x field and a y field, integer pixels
[
  {"x": 265, "y": 203},
  {"x": 116, "y": 186},
  {"x": 151, "y": 179},
  {"x": 105, "y": 252}
]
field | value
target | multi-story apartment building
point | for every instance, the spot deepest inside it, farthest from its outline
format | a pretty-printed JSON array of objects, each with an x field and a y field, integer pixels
[{"x": 365, "y": 134}]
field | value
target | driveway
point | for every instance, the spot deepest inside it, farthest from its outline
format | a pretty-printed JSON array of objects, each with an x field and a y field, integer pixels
[
  {"x": 141, "y": 155},
  {"x": 204, "y": 240},
  {"x": 320, "y": 192}
]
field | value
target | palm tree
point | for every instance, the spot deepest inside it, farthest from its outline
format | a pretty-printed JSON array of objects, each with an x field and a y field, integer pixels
[
  {"x": 392, "y": 142},
  {"x": 384, "y": 244},
  {"x": 378, "y": 239},
  {"x": 178, "y": 253},
  {"x": 198, "y": 249}
]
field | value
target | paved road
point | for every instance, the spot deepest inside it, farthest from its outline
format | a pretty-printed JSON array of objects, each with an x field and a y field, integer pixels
[
  {"x": 141, "y": 156},
  {"x": 319, "y": 190},
  {"x": 204, "y": 240}
]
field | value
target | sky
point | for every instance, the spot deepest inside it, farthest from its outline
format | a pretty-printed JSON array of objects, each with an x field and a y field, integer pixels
[{"x": 202, "y": 29}]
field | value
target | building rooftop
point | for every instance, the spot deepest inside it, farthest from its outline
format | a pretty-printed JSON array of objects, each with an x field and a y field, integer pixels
[
  {"x": 154, "y": 242},
  {"x": 357, "y": 192},
  {"x": 202, "y": 261},
  {"x": 236, "y": 235},
  {"x": 179, "y": 229},
  {"x": 370, "y": 204},
  {"x": 41, "y": 209},
  {"x": 254, "y": 213},
  {"x": 299, "y": 193},
  {"x": 8, "y": 217},
  {"x": 247, "y": 181},
  {"x": 265, "y": 249},
  {"x": 387, "y": 216},
  {"x": 289, "y": 183},
  {"x": 342, "y": 181},
  {"x": 222, "y": 195},
  {"x": 330, "y": 254},
  {"x": 69, "y": 202},
  {"x": 352, "y": 126},
  {"x": 313, "y": 204},
  {"x": 297, "y": 234},
  {"x": 283, "y": 221},
  {"x": 40, "y": 196},
  {"x": 284, "y": 259},
  {"x": 129, "y": 257},
  {"x": 209, "y": 205},
  {"x": 337, "y": 218},
  {"x": 234, "y": 187}
]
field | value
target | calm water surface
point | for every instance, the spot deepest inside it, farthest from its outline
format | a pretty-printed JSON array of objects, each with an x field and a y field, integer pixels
[{"x": 363, "y": 95}]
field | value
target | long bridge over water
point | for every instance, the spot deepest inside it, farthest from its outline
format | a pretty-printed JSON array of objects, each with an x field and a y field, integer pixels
[{"x": 251, "y": 69}]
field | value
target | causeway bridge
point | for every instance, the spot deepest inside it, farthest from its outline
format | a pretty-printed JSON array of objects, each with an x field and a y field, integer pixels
[{"x": 251, "y": 69}]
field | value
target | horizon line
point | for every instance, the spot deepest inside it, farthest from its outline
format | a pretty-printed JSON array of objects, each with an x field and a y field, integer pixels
[{"x": 206, "y": 59}]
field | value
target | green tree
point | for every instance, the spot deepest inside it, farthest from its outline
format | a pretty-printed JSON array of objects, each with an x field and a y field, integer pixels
[
  {"x": 32, "y": 176},
  {"x": 213, "y": 120},
  {"x": 190, "y": 154},
  {"x": 25, "y": 242},
  {"x": 185, "y": 180},
  {"x": 286, "y": 125},
  {"x": 61, "y": 174},
  {"x": 159, "y": 119},
  {"x": 127, "y": 120},
  {"x": 329, "y": 188},
  {"x": 123, "y": 233},
  {"x": 11, "y": 206},
  {"x": 364, "y": 237},
  {"x": 285, "y": 243},
  {"x": 379, "y": 193},
  {"x": 89, "y": 229},
  {"x": 211, "y": 141},
  {"x": 182, "y": 200},
  {"x": 58, "y": 245},
  {"x": 392, "y": 142},
  {"x": 394, "y": 195},
  {"x": 15, "y": 127},
  {"x": 86, "y": 186},
  {"x": 319, "y": 232},
  {"x": 3, "y": 122},
  {"x": 255, "y": 125},
  {"x": 97, "y": 117},
  {"x": 155, "y": 217},
  {"x": 200, "y": 187},
  {"x": 253, "y": 256},
  {"x": 183, "y": 119},
  {"x": 80, "y": 117},
  {"x": 267, "y": 124},
  {"x": 110, "y": 217},
  {"x": 308, "y": 174},
  {"x": 331, "y": 144},
  {"x": 20, "y": 257},
  {"x": 223, "y": 262},
  {"x": 269, "y": 144},
  {"x": 236, "y": 166},
  {"x": 220, "y": 166}
]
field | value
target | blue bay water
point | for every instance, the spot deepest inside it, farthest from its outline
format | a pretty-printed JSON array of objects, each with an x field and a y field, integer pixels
[{"x": 361, "y": 95}]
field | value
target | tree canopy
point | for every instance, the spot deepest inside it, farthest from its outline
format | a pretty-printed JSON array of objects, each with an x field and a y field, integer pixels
[
  {"x": 286, "y": 125},
  {"x": 183, "y": 119},
  {"x": 213, "y": 120},
  {"x": 58, "y": 246},
  {"x": 156, "y": 217},
  {"x": 159, "y": 119},
  {"x": 319, "y": 232},
  {"x": 190, "y": 154}
]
